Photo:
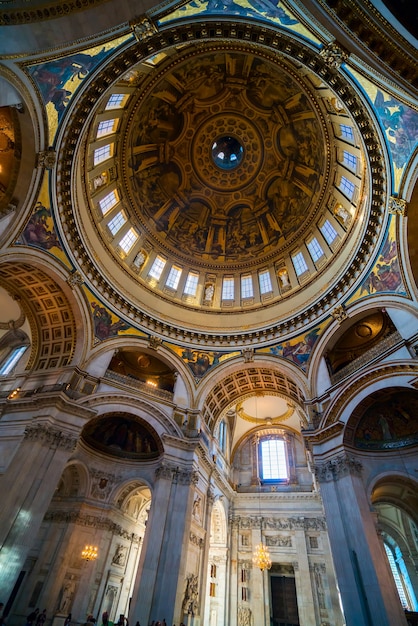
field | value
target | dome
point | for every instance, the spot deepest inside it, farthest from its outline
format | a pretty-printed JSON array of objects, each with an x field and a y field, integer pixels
[{"x": 215, "y": 181}]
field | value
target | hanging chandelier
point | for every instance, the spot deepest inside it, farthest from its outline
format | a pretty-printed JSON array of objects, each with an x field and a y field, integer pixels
[
  {"x": 261, "y": 557},
  {"x": 89, "y": 553}
]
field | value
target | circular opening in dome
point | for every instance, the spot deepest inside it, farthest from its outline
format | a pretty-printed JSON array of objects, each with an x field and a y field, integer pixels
[{"x": 227, "y": 152}]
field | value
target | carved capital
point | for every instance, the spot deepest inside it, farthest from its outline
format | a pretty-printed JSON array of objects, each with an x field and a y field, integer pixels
[
  {"x": 177, "y": 475},
  {"x": 248, "y": 354},
  {"x": 337, "y": 468},
  {"x": 50, "y": 436},
  {"x": 155, "y": 342}
]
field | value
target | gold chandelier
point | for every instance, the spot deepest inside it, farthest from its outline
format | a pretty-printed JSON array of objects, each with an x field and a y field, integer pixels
[
  {"x": 89, "y": 553},
  {"x": 261, "y": 557}
]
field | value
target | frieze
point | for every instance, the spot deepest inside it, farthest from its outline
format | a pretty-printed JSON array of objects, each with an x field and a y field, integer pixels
[
  {"x": 91, "y": 521},
  {"x": 278, "y": 523},
  {"x": 337, "y": 468},
  {"x": 279, "y": 541},
  {"x": 51, "y": 437}
]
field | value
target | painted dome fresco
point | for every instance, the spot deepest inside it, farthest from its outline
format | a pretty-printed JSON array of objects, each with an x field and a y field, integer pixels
[{"x": 217, "y": 179}]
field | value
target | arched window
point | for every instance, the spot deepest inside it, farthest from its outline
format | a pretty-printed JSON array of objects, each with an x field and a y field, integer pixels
[
  {"x": 12, "y": 347},
  {"x": 401, "y": 576},
  {"x": 272, "y": 459}
]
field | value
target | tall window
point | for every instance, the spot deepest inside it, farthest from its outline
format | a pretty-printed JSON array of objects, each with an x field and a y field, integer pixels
[
  {"x": 173, "y": 277},
  {"x": 108, "y": 202},
  {"x": 228, "y": 288},
  {"x": 273, "y": 464},
  {"x": 11, "y": 360},
  {"x": 329, "y": 232},
  {"x": 350, "y": 160},
  {"x": 192, "y": 281},
  {"x": 128, "y": 240},
  {"x": 299, "y": 263},
  {"x": 347, "y": 187},
  {"x": 315, "y": 249},
  {"x": 106, "y": 127},
  {"x": 117, "y": 101},
  {"x": 265, "y": 282},
  {"x": 223, "y": 433},
  {"x": 347, "y": 132},
  {"x": 116, "y": 223},
  {"x": 102, "y": 153},
  {"x": 401, "y": 576},
  {"x": 157, "y": 267},
  {"x": 247, "y": 290}
]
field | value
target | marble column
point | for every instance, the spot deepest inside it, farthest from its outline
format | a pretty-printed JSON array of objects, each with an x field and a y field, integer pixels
[
  {"x": 28, "y": 485},
  {"x": 165, "y": 544},
  {"x": 366, "y": 584},
  {"x": 234, "y": 524},
  {"x": 210, "y": 500}
]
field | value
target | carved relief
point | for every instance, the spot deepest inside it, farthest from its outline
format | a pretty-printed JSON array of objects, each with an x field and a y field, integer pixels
[
  {"x": 50, "y": 436},
  {"x": 337, "y": 468}
]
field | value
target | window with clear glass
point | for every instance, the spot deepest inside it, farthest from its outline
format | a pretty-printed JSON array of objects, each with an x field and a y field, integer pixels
[
  {"x": 116, "y": 101},
  {"x": 264, "y": 281},
  {"x": 173, "y": 277},
  {"x": 116, "y": 223},
  {"x": 128, "y": 240},
  {"x": 192, "y": 281},
  {"x": 106, "y": 127},
  {"x": 247, "y": 290},
  {"x": 102, "y": 153},
  {"x": 222, "y": 435},
  {"x": 12, "y": 360},
  {"x": 329, "y": 232},
  {"x": 157, "y": 267},
  {"x": 108, "y": 202},
  {"x": 347, "y": 187},
  {"x": 273, "y": 464},
  {"x": 350, "y": 160},
  {"x": 396, "y": 576},
  {"x": 314, "y": 249},
  {"x": 228, "y": 288},
  {"x": 347, "y": 132},
  {"x": 299, "y": 263}
]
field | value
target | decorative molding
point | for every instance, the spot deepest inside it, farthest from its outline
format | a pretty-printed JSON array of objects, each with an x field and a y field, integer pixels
[
  {"x": 155, "y": 342},
  {"x": 278, "y": 523},
  {"x": 279, "y": 541},
  {"x": 196, "y": 540},
  {"x": 47, "y": 159},
  {"x": 91, "y": 521},
  {"x": 75, "y": 279},
  {"x": 177, "y": 475},
  {"x": 143, "y": 28},
  {"x": 338, "y": 467},
  {"x": 334, "y": 56},
  {"x": 51, "y": 437},
  {"x": 397, "y": 206},
  {"x": 339, "y": 313},
  {"x": 248, "y": 354},
  {"x": 102, "y": 483}
]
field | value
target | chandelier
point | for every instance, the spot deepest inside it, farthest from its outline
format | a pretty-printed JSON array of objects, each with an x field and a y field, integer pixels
[
  {"x": 261, "y": 557},
  {"x": 89, "y": 553}
]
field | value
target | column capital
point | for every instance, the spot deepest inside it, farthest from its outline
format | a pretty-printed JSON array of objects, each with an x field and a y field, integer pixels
[
  {"x": 50, "y": 436},
  {"x": 338, "y": 467},
  {"x": 177, "y": 475}
]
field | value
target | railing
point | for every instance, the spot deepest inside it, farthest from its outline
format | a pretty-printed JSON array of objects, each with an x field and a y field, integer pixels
[
  {"x": 377, "y": 350},
  {"x": 137, "y": 384}
]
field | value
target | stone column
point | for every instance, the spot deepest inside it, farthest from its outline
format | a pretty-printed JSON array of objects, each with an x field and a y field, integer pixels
[
  {"x": 258, "y": 604},
  {"x": 166, "y": 540},
  {"x": 306, "y": 606},
  {"x": 30, "y": 480},
  {"x": 210, "y": 500},
  {"x": 366, "y": 584},
  {"x": 234, "y": 523}
]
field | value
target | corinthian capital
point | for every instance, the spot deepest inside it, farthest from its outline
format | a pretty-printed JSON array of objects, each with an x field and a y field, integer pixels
[{"x": 337, "y": 467}]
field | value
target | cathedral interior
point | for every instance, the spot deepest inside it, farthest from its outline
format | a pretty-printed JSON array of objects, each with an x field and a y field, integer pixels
[{"x": 209, "y": 321}]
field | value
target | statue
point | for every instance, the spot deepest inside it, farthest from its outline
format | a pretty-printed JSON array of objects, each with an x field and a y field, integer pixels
[
  {"x": 190, "y": 605},
  {"x": 67, "y": 593},
  {"x": 209, "y": 291}
]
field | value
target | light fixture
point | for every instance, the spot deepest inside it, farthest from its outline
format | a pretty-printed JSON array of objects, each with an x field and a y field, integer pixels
[
  {"x": 261, "y": 555},
  {"x": 89, "y": 553}
]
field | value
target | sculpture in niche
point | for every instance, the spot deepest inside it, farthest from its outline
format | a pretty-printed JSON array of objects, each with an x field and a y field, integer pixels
[
  {"x": 119, "y": 557},
  {"x": 197, "y": 508},
  {"x": 284, "y": 278},
  {"x": 209, "y": 291},
  {"x": 190, "y": 604},
  {"x": 66, "y": 595}
]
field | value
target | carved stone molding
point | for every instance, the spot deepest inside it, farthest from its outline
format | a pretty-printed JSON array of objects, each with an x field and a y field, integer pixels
[
  {"x": 91, "y": 521},
  {"x": 337, "y": 468},
  {"x": 279, "y": 541},
  {"x": 278, "y": 523},
  {"x": 102, "y": 483},
  {"x": 75, "y": 279},
  {"x": 177, "y": 475},
  {"x": 47, "y": 159},
  {"x": 51, "y": 437},
  {"x": 143, "y": 28},
  {"x": 397, "y": 206},
  {"x": 155, "y": 342},
  {"x": 196, "y": 540},
  {"x": 339, "y": 314},
  {"x": 248, "y": 354},
  {"x": 334, "y": 56}
]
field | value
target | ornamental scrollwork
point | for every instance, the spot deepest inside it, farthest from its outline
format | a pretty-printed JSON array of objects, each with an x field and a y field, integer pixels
[
  {"x": 51, "y": 437},
  {"x": 337, "y": 468}
]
